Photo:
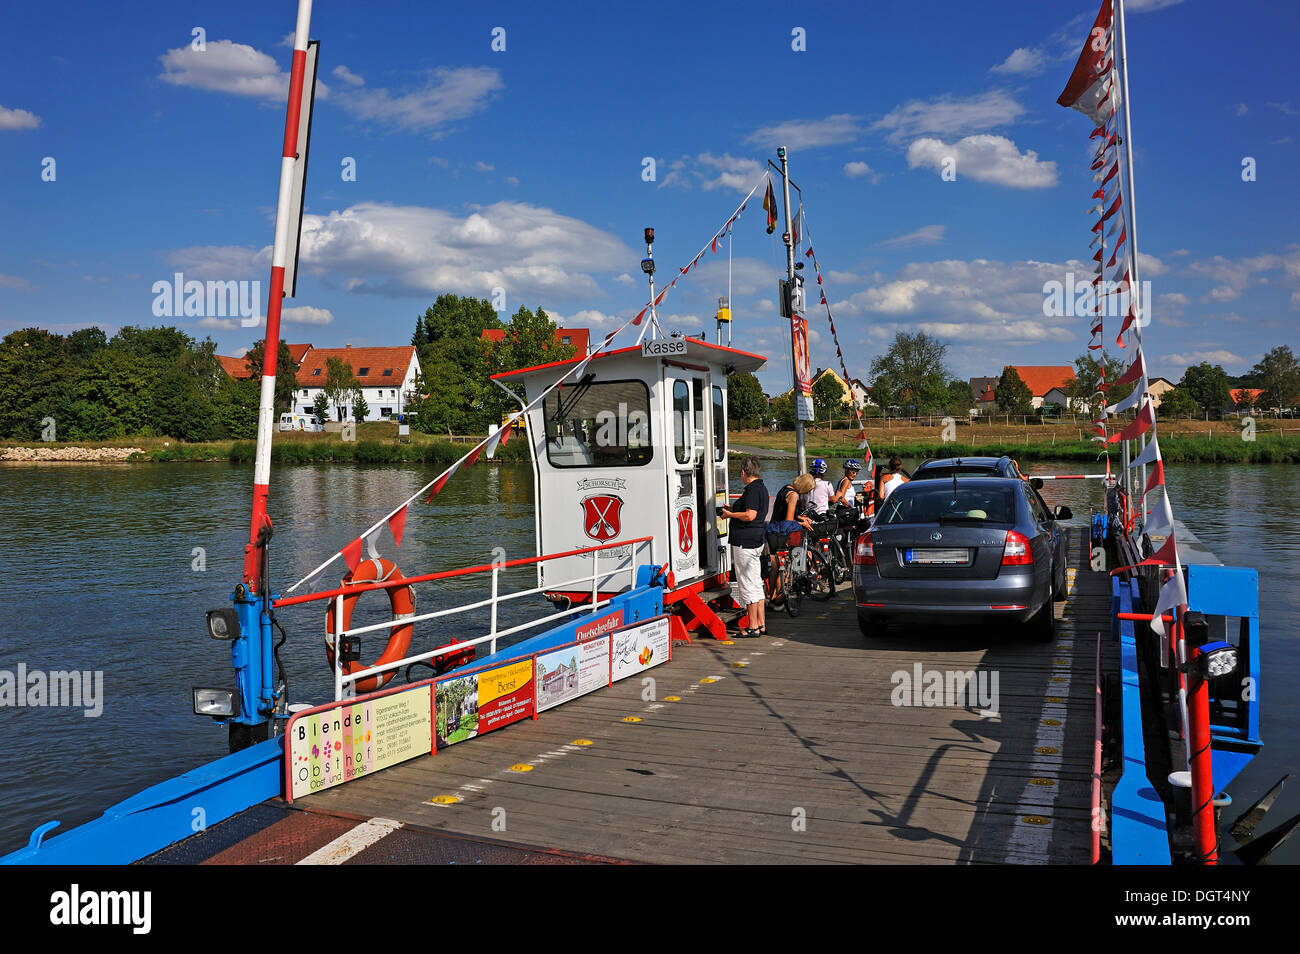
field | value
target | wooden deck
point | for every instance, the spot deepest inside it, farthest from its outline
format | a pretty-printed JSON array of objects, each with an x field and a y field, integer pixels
[{"x": 788, "y": 748}]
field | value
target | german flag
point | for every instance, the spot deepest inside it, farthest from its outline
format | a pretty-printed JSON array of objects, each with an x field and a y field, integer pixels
[{"x": 769, "y": 205}]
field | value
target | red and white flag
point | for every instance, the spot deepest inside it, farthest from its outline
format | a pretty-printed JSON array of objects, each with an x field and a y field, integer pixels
[
  {"x": 1173, "y": 593},
  {"x": 1089, "y": 89}
]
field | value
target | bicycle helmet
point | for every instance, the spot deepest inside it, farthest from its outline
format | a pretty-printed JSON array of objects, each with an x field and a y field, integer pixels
[
  {"x": 818, "y": 467},
  {"x": 853, "y": 464}
]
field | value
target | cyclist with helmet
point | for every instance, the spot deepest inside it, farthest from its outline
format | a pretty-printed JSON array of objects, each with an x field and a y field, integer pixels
[
  {"x": 844, "y": 492},
  {"x": 819, "y": 498}
]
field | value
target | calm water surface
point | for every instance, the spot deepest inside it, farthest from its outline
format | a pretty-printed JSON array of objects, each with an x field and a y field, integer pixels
[{"x": 101, "y": 572}]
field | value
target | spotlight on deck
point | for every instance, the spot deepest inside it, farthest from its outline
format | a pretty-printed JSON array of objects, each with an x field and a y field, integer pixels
[
  {"x": 648, "y": 266},
  {"x": 223, "y": 624},
  {"x": 217, "y": 703},
  {"x": 1216, "y": 659}
]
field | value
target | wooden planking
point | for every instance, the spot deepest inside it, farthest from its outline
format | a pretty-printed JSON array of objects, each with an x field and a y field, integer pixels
[{"x": 799, "y": 755}]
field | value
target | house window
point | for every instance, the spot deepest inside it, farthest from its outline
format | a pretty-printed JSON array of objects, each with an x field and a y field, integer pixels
[
  {"x": 362, "y": 372},
  {"x": 304, "y": 392},
  {"x": 316, "y": 373},
  {"x": 388, "y": 372},
  {"x": 566, "y": 340},
  {"x": 385, "y": 412}
]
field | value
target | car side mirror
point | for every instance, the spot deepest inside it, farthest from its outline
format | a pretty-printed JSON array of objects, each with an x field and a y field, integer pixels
[
  {"x": 1036, "y": 483},
  {"x": 1063, "y": 513}
]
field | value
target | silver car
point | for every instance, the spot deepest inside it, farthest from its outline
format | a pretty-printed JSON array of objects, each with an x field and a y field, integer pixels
[{"x": 965, "y": 550}]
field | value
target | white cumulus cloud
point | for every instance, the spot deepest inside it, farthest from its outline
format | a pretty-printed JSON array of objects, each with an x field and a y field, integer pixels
[
  {"x": 985, "y": 158},
  {"x": 18, "y": 119}
]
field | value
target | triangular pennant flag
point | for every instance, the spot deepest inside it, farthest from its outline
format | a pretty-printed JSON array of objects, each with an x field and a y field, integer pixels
[
  {"x": 1150, "y": 454},
  {"x": 1160, "y": 516},
  {"x": 1137, "y": 427},
  {"x": 495, "y": 439},
  {"x": 1157, "y": 478},
  {"x": 809, "y": 254},
  {"x": 397, "y": 523},
  {"x": 1173, "y": 594},
  {"x": 639, "y": 315},
  {"x": 1114, "y": 171},
  {"x": 1167, "y": 555},
  {"x": 472, "y": 458},
  {"x": 1131, "y": 401},
  {"x": 1138, "y": 369},
  {"x": 442, "y": 482},
  {"x": 352, "y": 555},
  {"x": 715, "y": 243},
  {"x": 1119, "y": 200}
]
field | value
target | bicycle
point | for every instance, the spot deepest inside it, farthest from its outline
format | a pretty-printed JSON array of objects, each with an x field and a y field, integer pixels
[{"x": 783, "y": 585}]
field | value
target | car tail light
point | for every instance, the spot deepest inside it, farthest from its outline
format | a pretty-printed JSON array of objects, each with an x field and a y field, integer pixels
[
  {"x": 1017, "y": 551},
  {"x": 864, "y": 553}
]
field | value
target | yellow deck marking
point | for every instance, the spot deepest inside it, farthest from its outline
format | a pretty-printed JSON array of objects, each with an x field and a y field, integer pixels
[
  {"x": 1035, "y": 820},
  {"x": 631, "y": 718},
  {"x": 1047, "y": 750},
  {"x": 444, "y": 800},
  {"x": 521, "y": 767},
  {"x": 672, "y": 698},
  {"x": 582, "y": 741}
]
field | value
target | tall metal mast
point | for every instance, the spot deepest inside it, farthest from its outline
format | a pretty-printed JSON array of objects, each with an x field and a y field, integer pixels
[
  {"x": 283, "y": 214},
  {"x": 800, "y": 448}
]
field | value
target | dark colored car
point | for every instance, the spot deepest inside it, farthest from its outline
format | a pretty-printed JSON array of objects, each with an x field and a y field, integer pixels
[
  {"x": 973, "y": 549},
  {"x": 973, "y": 466}
]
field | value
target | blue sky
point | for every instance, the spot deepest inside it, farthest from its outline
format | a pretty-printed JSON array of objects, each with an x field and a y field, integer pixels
[{"x": 523, "y": 169}]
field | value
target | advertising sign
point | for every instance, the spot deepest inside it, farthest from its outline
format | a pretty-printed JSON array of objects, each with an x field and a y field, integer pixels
[
  {"x": 572, "y": 671},
  {"x": 336, "y": 745},
  {"x": 639, "y": 648},
  {"x": 471, "y": 705}
]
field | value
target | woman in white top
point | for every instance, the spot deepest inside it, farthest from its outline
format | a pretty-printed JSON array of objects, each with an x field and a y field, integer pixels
[{"x": 893, "y": 480}]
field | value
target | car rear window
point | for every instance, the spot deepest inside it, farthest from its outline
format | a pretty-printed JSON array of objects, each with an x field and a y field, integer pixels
[
  {"x": 929, "y": 472},
  {"x": 931, "y": 502}
]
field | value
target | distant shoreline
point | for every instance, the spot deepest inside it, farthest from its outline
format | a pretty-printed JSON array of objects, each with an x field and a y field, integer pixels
[{"x": 1266, "y": 449}]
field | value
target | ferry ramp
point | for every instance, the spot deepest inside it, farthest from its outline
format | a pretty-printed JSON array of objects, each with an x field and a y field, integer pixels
[{"x": 788, "y": 748}]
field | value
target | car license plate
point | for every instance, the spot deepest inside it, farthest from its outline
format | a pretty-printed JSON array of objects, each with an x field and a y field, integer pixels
[{"x": 938, "y": 556}]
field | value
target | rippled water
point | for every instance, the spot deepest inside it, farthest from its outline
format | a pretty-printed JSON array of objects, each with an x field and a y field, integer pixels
[{"x": 100, "y": 570}]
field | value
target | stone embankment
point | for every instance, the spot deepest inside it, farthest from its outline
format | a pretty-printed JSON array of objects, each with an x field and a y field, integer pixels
[{"x": 84, "y": 454}]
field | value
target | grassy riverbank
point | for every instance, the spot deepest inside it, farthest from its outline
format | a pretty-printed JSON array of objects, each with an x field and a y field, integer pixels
[{"x": 1185, "y": 442}]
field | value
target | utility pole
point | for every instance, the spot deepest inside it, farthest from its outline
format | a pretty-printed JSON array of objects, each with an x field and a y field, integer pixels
[{"x": 795, "y": 319}]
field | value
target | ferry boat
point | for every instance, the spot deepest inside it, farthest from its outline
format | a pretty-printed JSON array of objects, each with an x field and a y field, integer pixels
[{"x": 630, "y": 461}]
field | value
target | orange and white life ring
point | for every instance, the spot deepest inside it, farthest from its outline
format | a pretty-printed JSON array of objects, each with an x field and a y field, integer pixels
[{"x": 399, "y": 639}]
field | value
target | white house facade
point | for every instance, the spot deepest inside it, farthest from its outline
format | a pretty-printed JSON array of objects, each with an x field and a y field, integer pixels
[{"x": 386, "y": 376}]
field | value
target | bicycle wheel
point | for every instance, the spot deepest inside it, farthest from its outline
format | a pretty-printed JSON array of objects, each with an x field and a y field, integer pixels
[
  {"x": 793, "y": 600},
  {"x": 821, "y": 575}
]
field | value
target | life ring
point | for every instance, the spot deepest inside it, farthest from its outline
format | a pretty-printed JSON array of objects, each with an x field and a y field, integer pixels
[{"x": 399, "y": 638}]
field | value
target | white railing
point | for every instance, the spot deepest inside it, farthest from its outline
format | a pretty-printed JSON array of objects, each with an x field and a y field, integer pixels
[{"x": 344, "y": 683}]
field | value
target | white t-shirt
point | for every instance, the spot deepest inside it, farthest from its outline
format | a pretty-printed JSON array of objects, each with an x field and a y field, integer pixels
[
  {"x": 819, "y": 498},
  {"x": 888, "y": 484}
]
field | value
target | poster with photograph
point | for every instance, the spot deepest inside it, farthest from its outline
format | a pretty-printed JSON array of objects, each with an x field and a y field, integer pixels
[
  {"x": 639, "y": 647},
  {"x": 572, "y": 671}
]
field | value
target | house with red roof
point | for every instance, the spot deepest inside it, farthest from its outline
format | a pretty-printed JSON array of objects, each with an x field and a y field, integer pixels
[
  {"x": 238, "y": 367},
  {"x": 1048, "y": 383},
  {"x": 386, "y": 376},
  {"x": 1245, "y": 397},
  {"x": 579, "y": 338}
]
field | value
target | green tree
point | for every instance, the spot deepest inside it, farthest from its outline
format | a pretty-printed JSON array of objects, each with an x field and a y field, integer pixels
[
  {"x": 286, "y": 372},
  {"x": 320, "y": 406},
  {"x": 111, "y": 396},
  {"x": 83, "y": 343},
  {"x": 340, "y": 383},
  {"x": 1085, "y": 390},
  {"x": 1176, "y": 402},
  {"x": 1013, "y": 395},
  {"x": 179, "y": 408},
  {"x": 958, "y": 400},
  {"x": 746, "y": 403},
  {"x": 915, "y": 371},
  {"x": 360, "y": 409},
  {"x": 157, "y": 346},
  {"x": 1278, "y": 374},
  {"x": 783, "y": 410},
  {"x": 528, "y": 340},
  {"x": 884, "y": 394},
  {"x": 828, "y": 398},
  {"x": 1208, "y": 386},
  {"x": 34, "y": 384}
]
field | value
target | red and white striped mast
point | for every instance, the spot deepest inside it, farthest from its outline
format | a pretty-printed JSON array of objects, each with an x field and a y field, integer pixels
[{"x": 284, "y": 213}]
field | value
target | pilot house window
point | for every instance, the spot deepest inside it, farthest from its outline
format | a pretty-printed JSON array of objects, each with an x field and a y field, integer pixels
[{"x": 606, "y": 424}]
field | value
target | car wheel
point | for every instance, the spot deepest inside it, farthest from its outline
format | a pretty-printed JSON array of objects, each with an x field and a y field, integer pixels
[{"x": 872, "y": 627}]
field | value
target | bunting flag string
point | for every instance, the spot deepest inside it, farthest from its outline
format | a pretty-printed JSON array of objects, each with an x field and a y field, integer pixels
[
  {"x": 863, "y": 444},
  {"x": 351, "y": 553}
]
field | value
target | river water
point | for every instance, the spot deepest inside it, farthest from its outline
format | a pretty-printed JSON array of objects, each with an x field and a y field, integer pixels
[{"x": 111, "y": 567}]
